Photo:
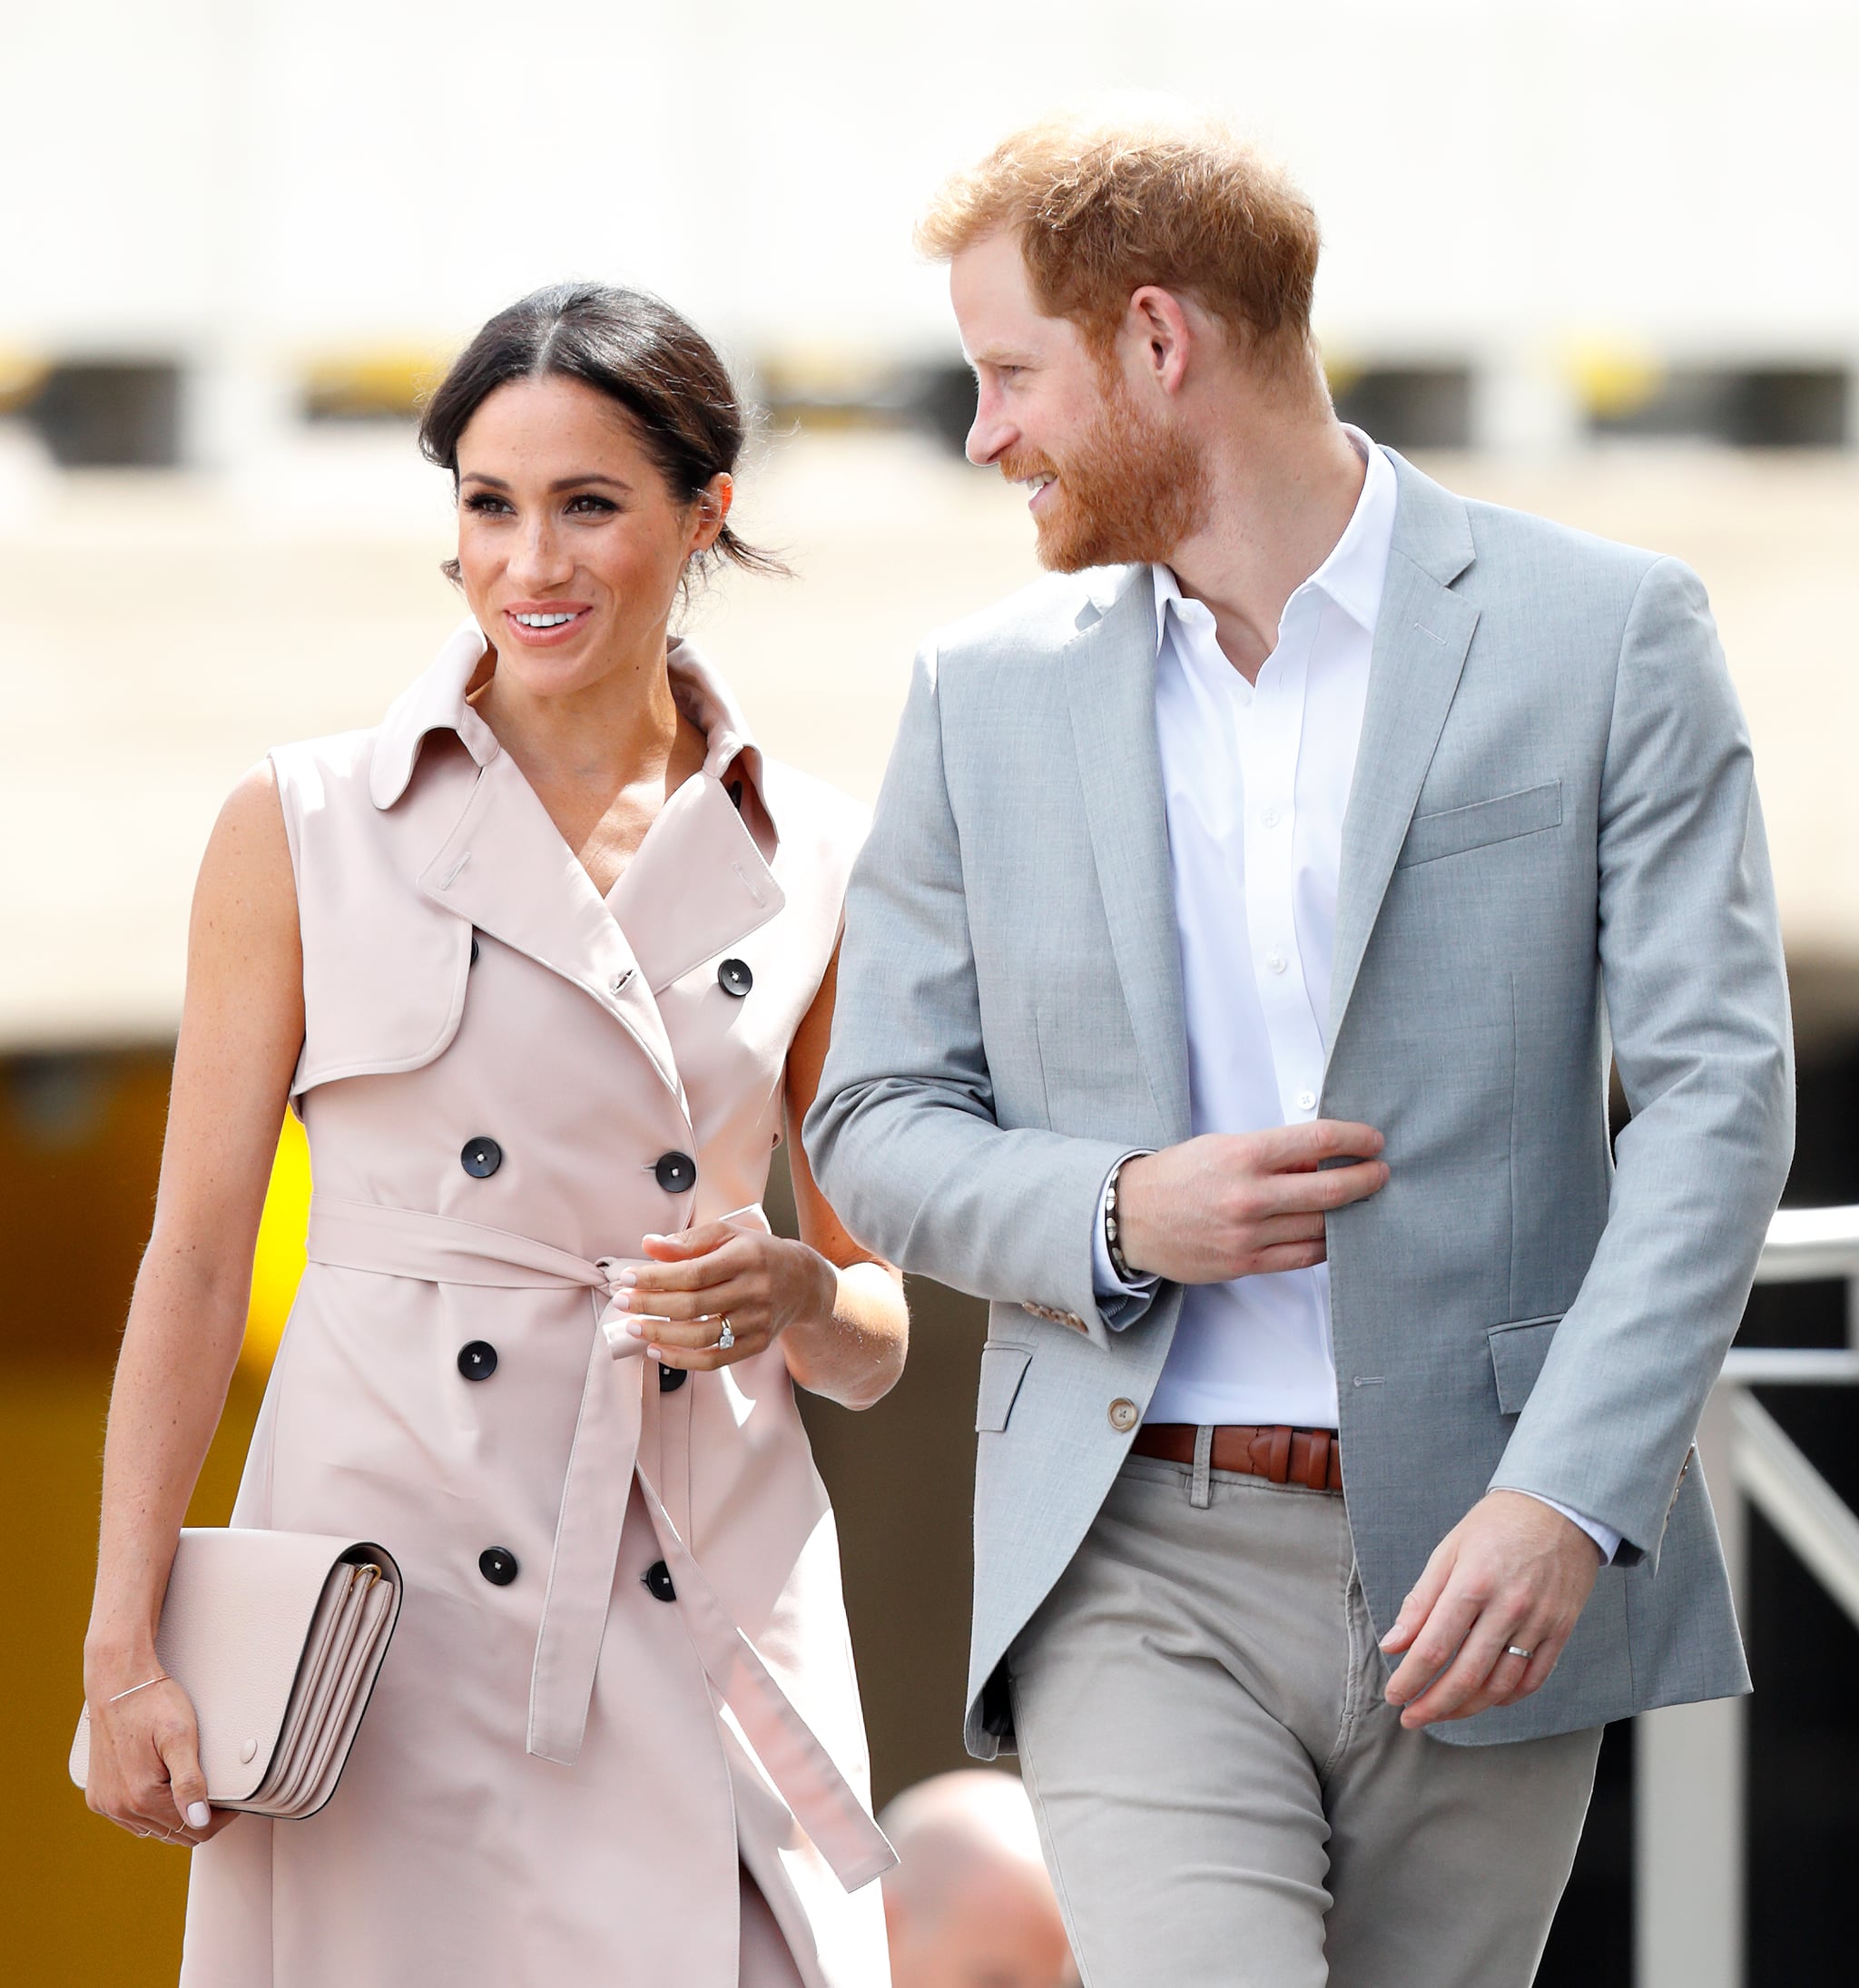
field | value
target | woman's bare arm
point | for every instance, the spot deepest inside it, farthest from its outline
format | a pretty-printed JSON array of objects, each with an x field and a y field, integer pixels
[
  {"x": 837, "y": 1309},
  {"x": 241, "y": 1031},
  {"x": 854, "y": 1353}
]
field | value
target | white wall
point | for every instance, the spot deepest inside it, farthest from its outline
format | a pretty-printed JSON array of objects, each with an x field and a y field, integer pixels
[{"x": 1491, "y": 174}]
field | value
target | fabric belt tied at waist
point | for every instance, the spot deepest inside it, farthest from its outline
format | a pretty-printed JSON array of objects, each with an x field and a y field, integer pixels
[{"x": 601, "y": 1465}]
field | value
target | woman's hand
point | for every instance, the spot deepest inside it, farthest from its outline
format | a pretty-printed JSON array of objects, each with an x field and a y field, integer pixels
[
  {"x": 144, "y": 1767},
  {"x": 762, "y": 1283}
]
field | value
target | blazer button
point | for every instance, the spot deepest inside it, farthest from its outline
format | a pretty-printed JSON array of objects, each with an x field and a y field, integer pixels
[
  {"x": 497, "y": 1564},
  {"x": 734, "y": 978},
  {"x": 478, "y": 1361},
  {"x": 658, "y": 1582},
  {"x": 1124, "y": 1415},
  {"x": 481, "y": 1158},
  {"x": 671, "y": 1379},
  {"x": 474, "y": 949},
  {"x": 676, "y": 1173}
]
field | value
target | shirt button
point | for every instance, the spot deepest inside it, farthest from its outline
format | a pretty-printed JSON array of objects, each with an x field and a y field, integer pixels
[
  {"x": 1275, "y": 961},
  {"x": 497, "y": 1564},
  {"x": 676, "y": 1173},
  {"x": 478, "y": 1361},
  {"x": 481, "y": 1158},
  {"x": 1269, "y": 818},
  {"x": 1306, "y": 1101},
  {"x": 734, "y": 978},
  {"x": 1124, "y": 1414},
  {"x": 658, "y": 1582}
]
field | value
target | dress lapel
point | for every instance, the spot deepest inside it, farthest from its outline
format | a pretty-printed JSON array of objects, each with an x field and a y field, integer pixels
[
  {"x": 506, "y": 867},
  {"x": 1110, "y": 685},
  {"x": 696, "y": 885},
  {"x": 1421, "y": 636}
]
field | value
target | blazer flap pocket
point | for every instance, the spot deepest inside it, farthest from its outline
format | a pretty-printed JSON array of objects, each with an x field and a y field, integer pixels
[
  {"x": 1498, "y": 820},
  {"x": 1003, "y": 1368},
  {"x": 1518, "y": 1349}
]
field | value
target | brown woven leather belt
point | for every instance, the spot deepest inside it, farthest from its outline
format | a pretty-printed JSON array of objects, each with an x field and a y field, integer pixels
[{"x": 1309, "y": 1457}]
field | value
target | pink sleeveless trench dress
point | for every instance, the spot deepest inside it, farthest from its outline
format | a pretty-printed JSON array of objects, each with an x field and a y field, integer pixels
[{"x": 622, "y": 1667}]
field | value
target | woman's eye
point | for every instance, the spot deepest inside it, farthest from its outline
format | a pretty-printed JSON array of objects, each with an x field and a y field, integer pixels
[
  {"x": 587, "y": 505},
  {"x": 485, "y": 503}
]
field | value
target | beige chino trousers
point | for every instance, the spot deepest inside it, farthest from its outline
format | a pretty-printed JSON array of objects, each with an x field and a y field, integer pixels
[{"x": 1227, "y": 1799}]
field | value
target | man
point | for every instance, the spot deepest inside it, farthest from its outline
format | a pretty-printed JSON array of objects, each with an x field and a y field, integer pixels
[
  {"x": 969, "y": 1905},
  {"x": 1227, "y": 993}
]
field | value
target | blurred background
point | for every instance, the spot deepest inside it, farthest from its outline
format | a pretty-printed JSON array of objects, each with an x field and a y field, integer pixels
[{"x": 1596, "y": 260}]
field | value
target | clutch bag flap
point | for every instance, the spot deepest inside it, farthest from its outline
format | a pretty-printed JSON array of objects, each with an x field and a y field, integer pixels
[{"x": 276, "y": 1638}]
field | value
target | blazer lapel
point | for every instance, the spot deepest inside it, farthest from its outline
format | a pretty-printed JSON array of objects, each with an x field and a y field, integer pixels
[
  {"x": 1421, "y": 636},
  {"x": 1110, "y": 685}
]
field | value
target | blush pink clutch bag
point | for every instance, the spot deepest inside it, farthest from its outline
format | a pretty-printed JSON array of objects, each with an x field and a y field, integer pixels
[{"x": 277, "y": 1637}]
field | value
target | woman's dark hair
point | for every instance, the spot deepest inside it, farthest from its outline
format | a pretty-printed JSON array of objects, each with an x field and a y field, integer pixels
[{"x": 628, "y": 345}]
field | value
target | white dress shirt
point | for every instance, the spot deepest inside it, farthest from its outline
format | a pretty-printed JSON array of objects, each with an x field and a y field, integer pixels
[{"x": 1255, "y": 778}]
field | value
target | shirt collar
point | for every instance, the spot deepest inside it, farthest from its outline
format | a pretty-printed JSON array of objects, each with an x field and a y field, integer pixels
[
  {"x": 1356, "y": 570},
  {"x": 438, "y": 700}
]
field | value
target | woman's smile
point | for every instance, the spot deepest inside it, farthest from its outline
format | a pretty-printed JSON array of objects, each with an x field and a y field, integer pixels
[{"x": 542, "y": 624}]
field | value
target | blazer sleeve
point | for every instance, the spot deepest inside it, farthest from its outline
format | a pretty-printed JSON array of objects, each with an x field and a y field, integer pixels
[
  {"x": 1698, "y": 1004},
  {"x": 903, "y": 1135}
]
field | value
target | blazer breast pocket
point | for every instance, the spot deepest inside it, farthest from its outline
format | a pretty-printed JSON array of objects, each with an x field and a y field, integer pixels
[
  {"x": 1003, "y": 1368},
  {"x": 1500, "y": 819},
  {"x": 1518, "y": 1349}
]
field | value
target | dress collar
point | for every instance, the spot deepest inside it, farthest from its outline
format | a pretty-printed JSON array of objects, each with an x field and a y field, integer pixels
[{"x": 438, "y": 700}]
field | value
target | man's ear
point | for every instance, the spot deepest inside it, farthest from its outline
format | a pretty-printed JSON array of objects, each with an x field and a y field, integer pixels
[{"x": 1160, "y": 336}]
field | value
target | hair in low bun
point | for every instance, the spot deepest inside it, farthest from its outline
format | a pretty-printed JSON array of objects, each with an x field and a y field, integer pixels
[{"x": 635, "y": 349}]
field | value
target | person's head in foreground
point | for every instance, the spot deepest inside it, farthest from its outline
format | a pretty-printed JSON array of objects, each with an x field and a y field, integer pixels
[
  {"x": 969, "y": 1905},
  {"x": 1133, "y": 293}
]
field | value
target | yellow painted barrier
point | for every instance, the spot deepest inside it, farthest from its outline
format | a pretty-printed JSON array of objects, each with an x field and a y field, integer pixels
[{"x": 278, "y": 1263}]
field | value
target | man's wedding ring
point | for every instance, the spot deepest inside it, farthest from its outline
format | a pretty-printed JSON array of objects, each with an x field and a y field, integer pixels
[
  {"x": 1510, "y": 1650},
  {"x": 727, "y": 1338}
]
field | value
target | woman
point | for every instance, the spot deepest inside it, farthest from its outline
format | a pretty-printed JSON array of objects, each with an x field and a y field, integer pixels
[{"x": 544, "y": 962}]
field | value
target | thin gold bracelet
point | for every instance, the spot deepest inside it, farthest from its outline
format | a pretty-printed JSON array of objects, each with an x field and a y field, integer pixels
[{"x": 162, "y": 1678}]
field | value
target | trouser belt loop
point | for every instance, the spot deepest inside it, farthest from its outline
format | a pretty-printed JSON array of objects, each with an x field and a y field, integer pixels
[
  {"x": 1278, "y": 1468},
  {"x": 1201, "y": 1492}
]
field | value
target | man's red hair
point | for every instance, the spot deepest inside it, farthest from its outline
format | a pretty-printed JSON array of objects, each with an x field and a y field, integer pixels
[{"x": 1102, "y": 208}]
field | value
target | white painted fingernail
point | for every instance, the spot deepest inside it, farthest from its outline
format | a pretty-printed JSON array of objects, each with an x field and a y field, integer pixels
[{"x": 198, "y": 1815}]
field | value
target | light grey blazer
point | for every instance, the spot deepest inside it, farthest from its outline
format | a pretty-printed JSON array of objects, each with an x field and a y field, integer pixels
[{"x": 1552, "y": 849}]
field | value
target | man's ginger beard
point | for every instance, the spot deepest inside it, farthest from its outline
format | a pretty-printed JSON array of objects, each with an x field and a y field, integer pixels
[{"x": 1129, "y": 490}]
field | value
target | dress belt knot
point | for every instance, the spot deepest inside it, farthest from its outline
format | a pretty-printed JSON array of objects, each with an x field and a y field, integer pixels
[{"x": 602, "y": 1464}]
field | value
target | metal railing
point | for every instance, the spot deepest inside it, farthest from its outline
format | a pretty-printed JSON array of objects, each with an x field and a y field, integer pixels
[{"x": 1689, "y": 1804}]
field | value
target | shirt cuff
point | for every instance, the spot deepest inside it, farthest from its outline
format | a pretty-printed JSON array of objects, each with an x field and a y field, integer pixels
[
  {"x": 1604, "y": 1537},
  {"x": 1112, "y": 1293}
]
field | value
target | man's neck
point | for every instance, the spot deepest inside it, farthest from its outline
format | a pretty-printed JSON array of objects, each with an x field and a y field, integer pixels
[{"x": 1281, "y": 494}]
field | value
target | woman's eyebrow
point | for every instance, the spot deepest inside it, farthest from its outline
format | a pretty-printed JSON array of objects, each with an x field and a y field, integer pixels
[{"x": 561, "y": 483}]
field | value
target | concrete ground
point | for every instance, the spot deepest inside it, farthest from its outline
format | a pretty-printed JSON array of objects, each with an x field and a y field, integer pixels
[{"x": 158, "y": 633}]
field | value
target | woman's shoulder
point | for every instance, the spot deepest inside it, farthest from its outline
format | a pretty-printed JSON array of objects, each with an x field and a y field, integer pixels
[
  {"x": 814, "y": 812},
  {"x": 309, "y": 769},
  {"x": 822, "y": 831}
]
